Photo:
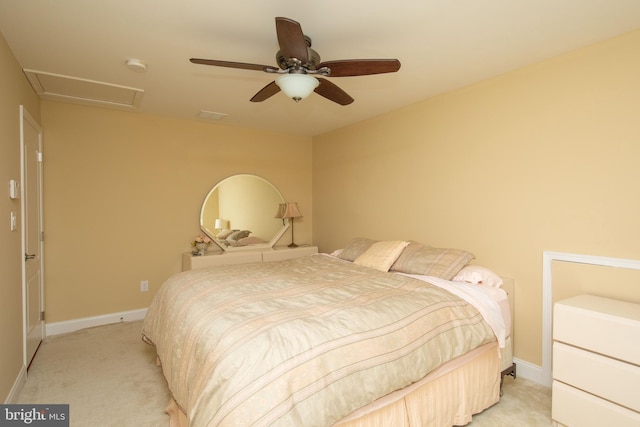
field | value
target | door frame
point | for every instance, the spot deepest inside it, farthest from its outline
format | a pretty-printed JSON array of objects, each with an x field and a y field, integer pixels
[{"x": 27, "y": 119}]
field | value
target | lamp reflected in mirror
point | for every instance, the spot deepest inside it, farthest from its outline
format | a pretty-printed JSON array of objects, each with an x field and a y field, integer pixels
[
  {"x": 289, "y": 210},
  {"x": 221, "y": 224},
  {"x": 282, "y": 207}
]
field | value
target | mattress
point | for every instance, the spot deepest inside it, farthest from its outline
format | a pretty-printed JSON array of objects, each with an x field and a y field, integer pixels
[{"x": 180, "y": 313}]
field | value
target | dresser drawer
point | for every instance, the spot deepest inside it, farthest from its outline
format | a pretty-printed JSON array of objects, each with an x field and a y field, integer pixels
[
  {"x": 602, "y": 376},
  {"x": 573, "y": 407},
  {"x": 599, "y": 324},
  {"x": 190, "y": 262},
  {"x": 280, "y": 254}
]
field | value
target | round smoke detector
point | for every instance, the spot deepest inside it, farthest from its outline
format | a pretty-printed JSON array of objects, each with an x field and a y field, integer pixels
[{"x": 136, "y": 65}]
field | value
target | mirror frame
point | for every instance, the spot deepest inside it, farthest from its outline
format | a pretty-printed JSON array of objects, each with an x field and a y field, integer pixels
[{"x": 257, "y": 246}]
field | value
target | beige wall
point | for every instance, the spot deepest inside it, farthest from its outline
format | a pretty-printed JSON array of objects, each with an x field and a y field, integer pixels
[
  {"x": 15, "y": 91},
  {"x": 543, "y": 158},
  {"x": 123, "y": 193}
]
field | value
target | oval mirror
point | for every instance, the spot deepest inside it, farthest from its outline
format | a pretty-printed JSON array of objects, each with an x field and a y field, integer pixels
[{"x": 239, "y": 213}]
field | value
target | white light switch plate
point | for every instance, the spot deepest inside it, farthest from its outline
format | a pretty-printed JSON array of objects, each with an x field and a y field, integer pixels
[{"x": 14, "y": 189}]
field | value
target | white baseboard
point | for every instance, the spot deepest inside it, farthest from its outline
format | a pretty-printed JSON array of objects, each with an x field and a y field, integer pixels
[
  {"x": 17, "y": 386},
  {"x": 528, "y": 371},
  {"x": 66, "y": 326}
]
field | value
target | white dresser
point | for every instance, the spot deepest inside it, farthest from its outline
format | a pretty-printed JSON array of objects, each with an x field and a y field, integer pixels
[
  {"x": 190, "y": 262},
  {"x": 596, "y": 362}
]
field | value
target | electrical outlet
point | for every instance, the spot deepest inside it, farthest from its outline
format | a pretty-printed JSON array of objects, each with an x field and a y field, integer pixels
[{"x": 144, "y": 286}]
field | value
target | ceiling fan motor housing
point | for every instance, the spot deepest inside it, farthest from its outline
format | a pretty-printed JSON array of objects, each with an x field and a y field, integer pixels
[{"x": 285, "y": 63}]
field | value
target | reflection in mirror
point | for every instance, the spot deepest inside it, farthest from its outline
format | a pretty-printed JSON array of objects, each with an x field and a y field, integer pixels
[{"x": 238, "y": 213}]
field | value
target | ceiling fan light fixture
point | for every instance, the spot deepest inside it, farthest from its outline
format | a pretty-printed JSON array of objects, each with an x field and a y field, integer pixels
[{"x": 297, "y": 86}]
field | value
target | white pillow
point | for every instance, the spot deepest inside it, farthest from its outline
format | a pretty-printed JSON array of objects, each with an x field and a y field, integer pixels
[
  {"x": 478, "y": 276},
  {"x": 381, "y": 255},
  {"x": 336, "y": 252}
]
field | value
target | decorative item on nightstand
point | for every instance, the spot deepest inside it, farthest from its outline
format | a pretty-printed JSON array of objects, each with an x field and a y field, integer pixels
[
  {"x": 289, "y": 210},
  {"x": 201, "y": 243}
]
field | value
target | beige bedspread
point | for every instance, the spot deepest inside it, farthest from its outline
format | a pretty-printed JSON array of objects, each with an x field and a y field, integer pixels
[{"x": 300, "y": 342}]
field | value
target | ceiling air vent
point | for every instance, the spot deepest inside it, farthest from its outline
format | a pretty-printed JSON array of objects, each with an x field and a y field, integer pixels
[
  {"x": 82, "y": 91},
  {"x": 210, "y": 115}
]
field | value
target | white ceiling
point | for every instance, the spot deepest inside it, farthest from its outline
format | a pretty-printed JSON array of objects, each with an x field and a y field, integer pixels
[{"x": 442, "y": 45}]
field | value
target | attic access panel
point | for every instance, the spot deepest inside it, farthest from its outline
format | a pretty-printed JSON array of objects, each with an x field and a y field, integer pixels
[{"x": 73, "y": 89}]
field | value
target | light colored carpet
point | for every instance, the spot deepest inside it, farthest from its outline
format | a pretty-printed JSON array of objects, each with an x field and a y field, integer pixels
[
  {"x": 108, "y": 376},
  {"x": 523, "y": 403}
]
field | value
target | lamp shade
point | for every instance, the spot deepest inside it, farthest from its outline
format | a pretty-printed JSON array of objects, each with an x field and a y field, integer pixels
[
  {"x": 281, "y": 208},
  {"x": 291, "y": 211},
  {"x": 297, "y": 86},
  {"x": 221, "y": 224}
]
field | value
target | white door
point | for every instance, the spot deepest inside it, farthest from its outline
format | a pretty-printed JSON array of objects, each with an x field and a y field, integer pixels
[{"x": 32, "y": 278}]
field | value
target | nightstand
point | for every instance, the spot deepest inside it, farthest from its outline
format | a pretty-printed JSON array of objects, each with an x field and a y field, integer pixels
[{"x": 596, "y": 362}]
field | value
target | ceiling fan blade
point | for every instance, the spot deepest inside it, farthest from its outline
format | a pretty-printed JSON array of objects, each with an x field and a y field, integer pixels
[
  {"x": 333, "y": 92},
  {"x": 360, "y": 67},
  {"x": 229, "y": 64},
  {"x": 291, "y": 39},
  {"x": 266, "y": 92}
]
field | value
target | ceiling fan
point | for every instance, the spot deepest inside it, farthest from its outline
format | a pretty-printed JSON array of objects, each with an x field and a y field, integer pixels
[{"x": 298, "y": 63}]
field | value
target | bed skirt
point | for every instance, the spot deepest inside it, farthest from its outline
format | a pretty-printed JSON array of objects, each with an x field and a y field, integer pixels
[{"x": 448, "y": 396}]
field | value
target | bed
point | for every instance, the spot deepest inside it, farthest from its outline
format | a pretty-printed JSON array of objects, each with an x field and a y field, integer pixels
[{"x": 330, "y": 340}]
